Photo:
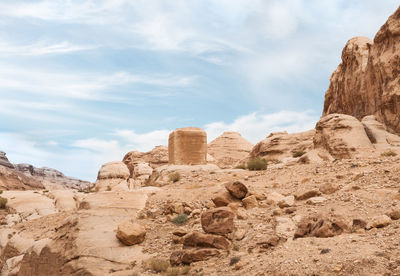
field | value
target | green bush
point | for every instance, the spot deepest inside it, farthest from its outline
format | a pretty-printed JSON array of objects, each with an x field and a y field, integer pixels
[
  {"x": 180, "y": 219},
  {"x": 3, "y": 202},
  {"x": 298, "y": 153},
  {"x": 159, "y": 265},
  {"x": 257, "y": 164},
  {"x": 388, "y": 153},
  {"x": 174, "y": 177}
]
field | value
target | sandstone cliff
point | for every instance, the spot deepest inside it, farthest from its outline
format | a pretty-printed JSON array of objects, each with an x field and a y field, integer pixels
[{"x": 367, "y": 82}]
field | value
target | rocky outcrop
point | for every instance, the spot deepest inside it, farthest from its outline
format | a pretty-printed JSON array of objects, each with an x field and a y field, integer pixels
[
  {"x": 11, "y": 179},
  {"x": 4, "y": 160},
  {"x": 187, "y": 146},
  {"x": 155, "y": 158},
  {"x": 113, "y": 176},
  {"x": 280, "y": 145},
  {"x": 341, "y": 135},
  {"x": 51, "y": 178},
  {"x": 228, "y": 149},
  {"x": 367, "y": 82}
]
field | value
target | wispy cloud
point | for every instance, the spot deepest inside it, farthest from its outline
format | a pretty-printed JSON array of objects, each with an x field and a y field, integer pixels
[{"x": 41, "y": 48}]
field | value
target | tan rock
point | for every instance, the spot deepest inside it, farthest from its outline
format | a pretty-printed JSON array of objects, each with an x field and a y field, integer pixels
[
  {"x": 130, "y": 233},
  {"x": 187, "y": 146},
  {"x": 250, "y": 202},
  {"x": 287, "y": 201},
  {"x": 321, "y": 226},
  {"x": 229, "y": 148},
  {"x": 395, "y": 214},
  {"x": 274, "y": 198},
  {"x": 285, "y": 227},
  {"x": 316, "y": 200},
  {"x": 218, "y": 221},
  {"x": 329, "y": 188},
  {"x": 367, "y": 80},
  {"x": 306, "y": 194},
  {"x": 343, "y": 136},
  {"x": 197, "y": 239},
  {"x": 379, "y": 222},
  {"x": 155, "y": 158},
  {"x": 113, "y": 175},
  {"x": 280, "y": 145},
  {"x": 237, "y": 189},
  {"x": 188, "y": 256},
  {"x": 222, "y": 199}
]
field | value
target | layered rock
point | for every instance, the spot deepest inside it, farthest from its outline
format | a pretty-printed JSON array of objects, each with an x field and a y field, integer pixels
[
  {"x": 10, "y": 179},
  {"x": 155, "y": 158},
  {"x": 4, "y": 160},
  {"x": 280, "y": 145},
  {"x": 51, "y": 178},
  {"x": 367, "y": 82},
  {"x": 187, "y": 146},
  {"x": 113, "y": 176},
  {"x": 229, "y": 148}
]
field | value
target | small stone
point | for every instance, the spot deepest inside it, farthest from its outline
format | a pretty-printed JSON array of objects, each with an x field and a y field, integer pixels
[
  {"x": 303, "y": 195},
  {"x": 328, "y": 188},
  {"x": 287, "y": 201},
  {"x": 222, "y": 199},
  {"x": 316, "y": 200},
  {"x": 241, "y": 214},
  {"x": 179, "y": 232},
  {"x": 250, "y": 202},
  {"x": 189, "y": 256},
  {"x": 379, "y": 222},
  {"x": 395, "y": 214},
  {"x": 274, "y": 198},
  {"x": 130, "y": 233},
  {"x": 237, "y": 189}
]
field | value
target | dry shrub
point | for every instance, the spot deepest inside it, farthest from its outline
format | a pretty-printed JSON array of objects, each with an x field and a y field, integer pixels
[
  {"x": 257, "y": 164},
  {"x": 174, "y": 177}
]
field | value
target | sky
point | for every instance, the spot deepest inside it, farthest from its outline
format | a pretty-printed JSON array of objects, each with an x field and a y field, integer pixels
[{"x": 82, "y": 82}]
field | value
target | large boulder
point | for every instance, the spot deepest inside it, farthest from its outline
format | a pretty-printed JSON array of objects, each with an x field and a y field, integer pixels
[
  {"x": 197, "y": 239},
  {"x": 218, "y": 221},
  {"x": 130, "y": 233},
  {"x": 343, "y": 136},
  {"x": 113, "y": 175},
  {"x": 280, "y": 145},
  {"x": 378, "y": 133},
  {"x": 367, "y": 82},
  {"x": 228, "y": 149},
  {"x": 237, "y": 189}
]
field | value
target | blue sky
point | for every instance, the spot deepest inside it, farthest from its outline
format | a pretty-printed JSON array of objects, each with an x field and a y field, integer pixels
[{"x": 83, "y": 82}]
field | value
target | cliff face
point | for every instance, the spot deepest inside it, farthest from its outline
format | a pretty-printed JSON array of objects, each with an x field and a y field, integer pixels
[{"x": 367, "y": 82}]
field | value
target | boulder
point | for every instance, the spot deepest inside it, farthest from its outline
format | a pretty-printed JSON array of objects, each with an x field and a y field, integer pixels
[
  {"x": 379, "y": 222},
  {"x": 130, "y": 233},
  {"x": 237, "y": 189},
  {"x": 287, "y": 201},
  {"x": 321, "y": 226},
  {"x": 228, "y": 149},
  {"x": 222, "y": 199},
  {"x": 113, "y": 175},
  {"x": 188, "y": 256},
  {"x": 218, "y": 221},
  {"x": 367, "y": 81},
  {"x": 157, "y": 157},
  {"x": 306, "y": 194},
  {"x": 197, "y": 239},
  {"x": 378, "y": 134},
  {"x": 250, "y": 202},
  {"x": 343, "y": 136}
]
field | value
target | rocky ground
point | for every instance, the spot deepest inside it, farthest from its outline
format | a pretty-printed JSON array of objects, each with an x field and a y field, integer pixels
[{"x": 336, "y": 218}]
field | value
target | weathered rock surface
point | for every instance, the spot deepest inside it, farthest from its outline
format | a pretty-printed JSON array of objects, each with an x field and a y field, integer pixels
[
  {"x": 321, "y": 227},
  {"x": 237, "y": 189},
  {"x": 4, "y": 160},
  {"x": 130, "y": 233},
  {"x": 11, "y": 179},
  {"x": 280, "y": 145},
  {"x": 229, "y": 148},
  {"x": 187, "y": 146},
  {"x": 155, "y": 158},
  {"x": 343, "y": 136},
  {"x": 197, "y": 239},
  {"x": 378, "y": 134},
  {"x": 113, "y": 175},
  {"x": 218, "y": 221},
  {"x": 51, "y": 178},
  {"x": 189, "y": 256},
  {"x": 367, "y": 81}
]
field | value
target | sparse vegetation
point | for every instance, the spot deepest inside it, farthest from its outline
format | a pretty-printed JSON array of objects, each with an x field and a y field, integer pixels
[
  {"x": 234, "y": 260},
  {"x": 388, "y": 153},
  {"x": 159, "y": 265},
  {"x": 298, "y": 153},
  {"x": 174, "y": 177},
  {"x": 109, "y": 188},
  {"x": 180, "y": 219},
  {"x": 3, "y": 202},
  {"x": 257, "y": 164},
  {"x": 1, "y": 191}
]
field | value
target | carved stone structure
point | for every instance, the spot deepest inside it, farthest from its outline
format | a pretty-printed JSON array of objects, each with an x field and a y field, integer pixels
[{"x": 187, "y": 146}]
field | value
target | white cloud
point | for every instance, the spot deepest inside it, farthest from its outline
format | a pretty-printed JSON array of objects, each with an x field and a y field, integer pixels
[
  {"x": 40, "y": 48},
  {"x": 145, "y": 141}
]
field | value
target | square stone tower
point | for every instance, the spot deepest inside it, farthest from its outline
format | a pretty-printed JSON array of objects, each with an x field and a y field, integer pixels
[{"x": 187, "y": 146}]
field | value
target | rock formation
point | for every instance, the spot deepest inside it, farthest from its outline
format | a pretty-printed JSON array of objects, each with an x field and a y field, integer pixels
[
  {"x": 155, "y": 158},
  {"x": 4, "y": 161},
  {"x": 228, "y": 149},
  {"x": 51, "y": 178},
  {"x": 113, "y": 176},
  {"x": 280, "y": 145},
  {"x": 367, "y": 82},
  {"x": 187, "y": 146}
]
